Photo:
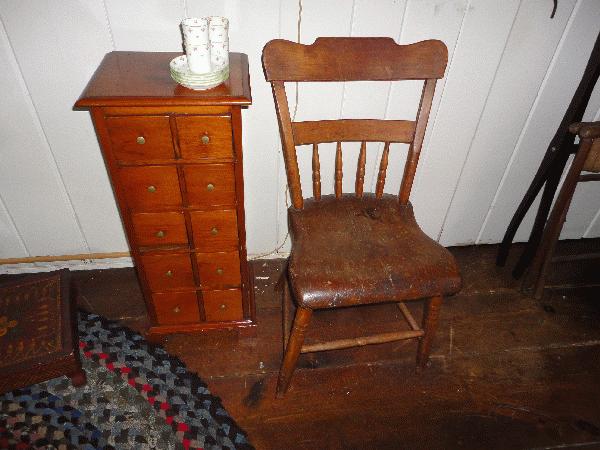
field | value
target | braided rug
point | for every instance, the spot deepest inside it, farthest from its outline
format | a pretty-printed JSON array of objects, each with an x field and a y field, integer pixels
[{"x": 137, "y": 397}]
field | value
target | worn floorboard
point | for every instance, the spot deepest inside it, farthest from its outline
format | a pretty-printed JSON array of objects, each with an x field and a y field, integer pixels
[{"x": 507, "y": 371}]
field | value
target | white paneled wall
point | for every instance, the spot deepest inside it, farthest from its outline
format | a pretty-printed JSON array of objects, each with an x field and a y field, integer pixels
[{"x": 512, "y": 72}]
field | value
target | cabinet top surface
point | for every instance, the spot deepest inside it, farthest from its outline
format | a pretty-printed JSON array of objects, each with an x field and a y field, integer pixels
[{"x": 143, "y": 79}]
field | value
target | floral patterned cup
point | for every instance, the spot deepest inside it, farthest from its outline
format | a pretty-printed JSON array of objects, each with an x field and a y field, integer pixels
[
  {"x": 195, "y": 30},
  {"x": 198, "y": 57},
  {"x": 218, "y": 29},
  {"x": 219, "y": 54}
]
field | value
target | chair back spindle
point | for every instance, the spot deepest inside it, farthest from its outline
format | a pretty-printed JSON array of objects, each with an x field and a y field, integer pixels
[
  {"x": 335, "y": 59},
  {"x": 360, "y": 169},
  {"x": 382, "y": 170},
  {"x": 338, "y": 170},
  {"x": 316, "y": 172}
]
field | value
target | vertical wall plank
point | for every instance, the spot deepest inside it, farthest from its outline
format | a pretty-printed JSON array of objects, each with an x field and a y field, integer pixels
[
  {"x": 55, "y": 71},
  {"x": 31, "y": 188},
  {"x": 260, "y": 135},
  {"x": 424, "y": 19},
  {"x": 146, "y": 25},
  {"x": 65, "y": 177},
  {"x": 469, "y": 76},
  {"x": 557, "y": 90},
  {"x": 12, "y": 244},
  {"x": 528, "y": 53}
]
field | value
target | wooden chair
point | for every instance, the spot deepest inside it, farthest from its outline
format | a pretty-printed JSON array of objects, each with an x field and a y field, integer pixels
[
  {"x": 587, "y": 159},
  {"x": 361, "y": 248}
]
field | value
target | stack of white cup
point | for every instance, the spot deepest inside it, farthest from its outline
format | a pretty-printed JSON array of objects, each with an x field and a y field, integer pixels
[{"x": 206, "y": 41}]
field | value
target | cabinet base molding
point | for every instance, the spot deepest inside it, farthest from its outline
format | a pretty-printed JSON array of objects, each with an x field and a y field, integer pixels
[{"x": 159, "y": 331}]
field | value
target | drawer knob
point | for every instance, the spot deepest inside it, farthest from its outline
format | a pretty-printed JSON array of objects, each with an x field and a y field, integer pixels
[
  {"x": 210, "y": 187},
  {"x": 219, "y": 271},
  {"x": 151, "y": 188},
  {"x": 223, "y": 306},
  {"x": 160, "y": 234},
  {"x": 205, "y": 139},
  {"x": 214, "y": 231},
  {"x": 177, "y": 310},
  {"x": 140, "y": 140},
  {"x": 169, "y": 273}
]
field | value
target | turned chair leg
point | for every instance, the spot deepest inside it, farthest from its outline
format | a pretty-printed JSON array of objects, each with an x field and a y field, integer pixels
[
  {"x": 287, "y": 314},
  {"x": 292, "y": 351},
  {"x": 431, "y": 314}
]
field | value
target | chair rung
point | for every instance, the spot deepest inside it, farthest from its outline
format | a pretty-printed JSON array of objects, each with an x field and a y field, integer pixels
[
  {"x": 360, "y": 341},
  {"x": 408, "y": 316},
  {"x": 589, "y": 177},
  {"x": 581, "y": 257}
]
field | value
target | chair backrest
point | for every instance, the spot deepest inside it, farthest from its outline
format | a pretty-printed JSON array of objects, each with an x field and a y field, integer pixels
[{"x": 352, "y": 59}]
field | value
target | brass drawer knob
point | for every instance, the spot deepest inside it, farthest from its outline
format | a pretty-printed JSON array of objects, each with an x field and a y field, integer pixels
[
  {"x": 177, "y": 310},
  {"x": 160, "y": 234},
  {"x": 214, "y": 231},
  {"x": 223, "y": 306},
  {"x": 169, "y": 273},
  {"x": 210, "y": 187},
  {"x": 205, "y": 139},
  {"x": 219, "y": 271},
  {"x": 140, "y": 140},
  {"x": 151, "y": 189}
]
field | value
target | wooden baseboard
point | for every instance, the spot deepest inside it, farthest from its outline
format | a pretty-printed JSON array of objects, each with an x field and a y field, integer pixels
[
  {"x": 83, "y": 261},
  {"x": 77, "y": 257}
]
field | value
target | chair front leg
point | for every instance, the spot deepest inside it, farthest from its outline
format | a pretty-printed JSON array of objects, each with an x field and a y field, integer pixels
[
  {"x": 292, "y": 351},
  {"x": 431, "y": 314}
]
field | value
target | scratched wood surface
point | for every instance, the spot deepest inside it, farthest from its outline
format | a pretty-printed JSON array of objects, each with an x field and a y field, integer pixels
[{"x": 507, "y": 371}]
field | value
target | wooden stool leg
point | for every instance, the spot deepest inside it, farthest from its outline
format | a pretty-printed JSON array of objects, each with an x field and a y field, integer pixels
[
  {"x": 431, "y": 313},
  {"x": 553, "y": 229},
  {"x": 78, "y": 378},
  {"x": 543, "y": 256},
  {"x": 292, "y": 351}
]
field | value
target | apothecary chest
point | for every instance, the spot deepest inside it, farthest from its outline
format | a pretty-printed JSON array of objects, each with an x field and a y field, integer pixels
[{"x": 174, "y": 157}]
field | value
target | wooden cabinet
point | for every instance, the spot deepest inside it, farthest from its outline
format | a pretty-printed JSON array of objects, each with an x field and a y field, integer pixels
[{"x": 174, "y": 157}]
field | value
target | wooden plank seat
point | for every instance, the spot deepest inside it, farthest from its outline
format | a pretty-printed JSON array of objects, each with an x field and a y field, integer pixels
[{"x": 351, "y": 251}]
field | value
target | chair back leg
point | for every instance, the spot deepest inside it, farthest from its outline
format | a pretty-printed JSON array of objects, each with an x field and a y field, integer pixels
[
  {"x": 292, "y": 351},
  {"x": 431, "y": 314}
]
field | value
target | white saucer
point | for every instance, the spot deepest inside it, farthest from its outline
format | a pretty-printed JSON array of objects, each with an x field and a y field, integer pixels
[{"x": 180, "y": 72}]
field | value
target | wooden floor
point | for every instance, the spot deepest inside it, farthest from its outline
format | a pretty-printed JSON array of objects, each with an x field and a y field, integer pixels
[{"x": 507, "y": 371}]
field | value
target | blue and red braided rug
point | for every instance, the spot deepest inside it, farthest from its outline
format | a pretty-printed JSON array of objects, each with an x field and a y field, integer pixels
[{"x": 137, "y": 397}]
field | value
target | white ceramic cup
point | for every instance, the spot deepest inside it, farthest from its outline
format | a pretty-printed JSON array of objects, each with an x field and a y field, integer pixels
[
  {"x": 195, "y": 30},
  {"x": 219, "y": 54},
  {"x": 218, "y": 29},
  {"x": 198, "y": 58}
]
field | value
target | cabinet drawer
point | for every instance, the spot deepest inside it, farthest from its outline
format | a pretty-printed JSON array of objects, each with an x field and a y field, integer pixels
[
  {"x": 210, "y": 185},
  {"x": 159, "y": 228},
  {"x": 168, "y": 271},
  {"x": 150, "y": 188},
  {"x": 219, "y": 270},
  {"x": 223, "y": 305},
  {"x": 176, "y": 307},
  {"x": 140, "y": 138},
  {"x": 205, "y": 137},
  {"x": 214, "y": 231}
]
